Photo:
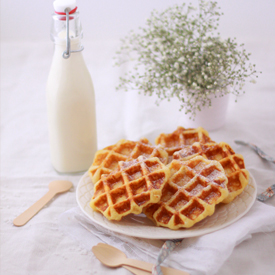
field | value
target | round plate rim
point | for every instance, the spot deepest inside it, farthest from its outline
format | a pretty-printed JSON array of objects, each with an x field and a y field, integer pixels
[{"x": 165, "y": 230}]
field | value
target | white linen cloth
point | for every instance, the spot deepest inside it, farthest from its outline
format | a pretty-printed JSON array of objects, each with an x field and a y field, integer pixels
[
  {"x": 39, "y": 247},
  {"x": 202, "y": 255}
]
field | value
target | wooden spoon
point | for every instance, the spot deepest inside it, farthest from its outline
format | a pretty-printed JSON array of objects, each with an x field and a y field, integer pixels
[
  {"x": 134, "y": 270},
  {"x": 113, "y": 257},
  {"x": 55, "y": 187}
]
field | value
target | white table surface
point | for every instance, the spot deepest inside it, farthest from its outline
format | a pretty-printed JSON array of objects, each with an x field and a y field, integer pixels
[{"x": 39, "y": 247}]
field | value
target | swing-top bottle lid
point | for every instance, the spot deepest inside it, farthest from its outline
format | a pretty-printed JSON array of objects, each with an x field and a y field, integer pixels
[{"x": 61, "y": 5}]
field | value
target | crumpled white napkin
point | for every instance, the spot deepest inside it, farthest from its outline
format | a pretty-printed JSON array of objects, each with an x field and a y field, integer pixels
[{"x": 197, "y": 255}]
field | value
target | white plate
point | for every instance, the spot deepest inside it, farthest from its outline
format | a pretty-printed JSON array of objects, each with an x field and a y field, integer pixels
[{"x": 141, "y": 226}]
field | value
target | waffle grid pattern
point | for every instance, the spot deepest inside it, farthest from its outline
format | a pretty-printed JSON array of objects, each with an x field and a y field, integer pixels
[
  {"x": 224, "y": 215},
  {"x": 232, "y": 163},
  {"x": 131, "y": 187},
  {"x": 174, "y": 142},
  {"x": 107, "y": 159},
  {"x": 191, "y": 193}
]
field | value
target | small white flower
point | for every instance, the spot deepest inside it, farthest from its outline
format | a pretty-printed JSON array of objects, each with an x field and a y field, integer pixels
[{"x": 176, "y": 65}]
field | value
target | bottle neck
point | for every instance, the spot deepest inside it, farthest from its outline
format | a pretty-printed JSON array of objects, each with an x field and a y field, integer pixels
[
  {"x": 59, "y": 31},
  {"x": 59, "y": 28}
]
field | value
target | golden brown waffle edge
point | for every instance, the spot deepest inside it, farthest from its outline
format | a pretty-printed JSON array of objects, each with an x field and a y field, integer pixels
[
  {"x": 130, "y": 188},
  {"x": 190, "y": 194},
  {"x": 232, "y": 163},
  {"x": 107, "y": 159},
  {"x": 174, "y": 141}
]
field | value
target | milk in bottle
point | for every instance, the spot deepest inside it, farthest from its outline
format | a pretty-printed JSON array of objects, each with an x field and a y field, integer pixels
[{"x": 70, "y": 95}]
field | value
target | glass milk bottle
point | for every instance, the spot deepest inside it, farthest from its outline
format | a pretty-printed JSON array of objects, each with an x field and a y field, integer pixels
[{"x": 70, "y": 95}]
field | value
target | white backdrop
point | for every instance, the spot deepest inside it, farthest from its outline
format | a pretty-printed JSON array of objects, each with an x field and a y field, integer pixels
[
  {"x": 112, "y": 19},
  {"x": 26, "y": 54}
]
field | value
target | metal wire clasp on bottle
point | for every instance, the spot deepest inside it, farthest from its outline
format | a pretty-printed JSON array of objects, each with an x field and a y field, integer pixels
[{"x": 66, "y": 54}]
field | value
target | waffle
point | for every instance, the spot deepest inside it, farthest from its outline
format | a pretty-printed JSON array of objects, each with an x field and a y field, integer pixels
[
  {"x": 232, "y": 163},
  {"x": 131, "y": 187},
  {"x": 107, "y": 159},
  {"x": 190, "y": 194},
  {"x": 175, "y": 141}
]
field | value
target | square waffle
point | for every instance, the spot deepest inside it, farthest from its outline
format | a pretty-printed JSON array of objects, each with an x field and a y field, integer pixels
[
  {"x": 175, "y": 141},
  {"x": 107, "y": 159},
  {"x": 232, "y": 163},
  {"x": 130, "y": 188},
  {"x": 190, "y": 194}
]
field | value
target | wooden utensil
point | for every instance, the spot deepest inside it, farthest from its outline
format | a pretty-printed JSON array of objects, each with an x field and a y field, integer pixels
[
  {"x": 113, "y": 257},
  {"x": 55, "y": 187},
  {"x": 136, "y": 271}
]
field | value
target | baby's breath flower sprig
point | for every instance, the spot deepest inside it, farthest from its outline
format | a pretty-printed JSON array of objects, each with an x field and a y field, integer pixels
[{"x": 180, "y": 54}]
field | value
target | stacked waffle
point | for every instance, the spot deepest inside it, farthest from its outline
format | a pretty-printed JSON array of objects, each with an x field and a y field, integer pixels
[{"x": 176, "y": 183}]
